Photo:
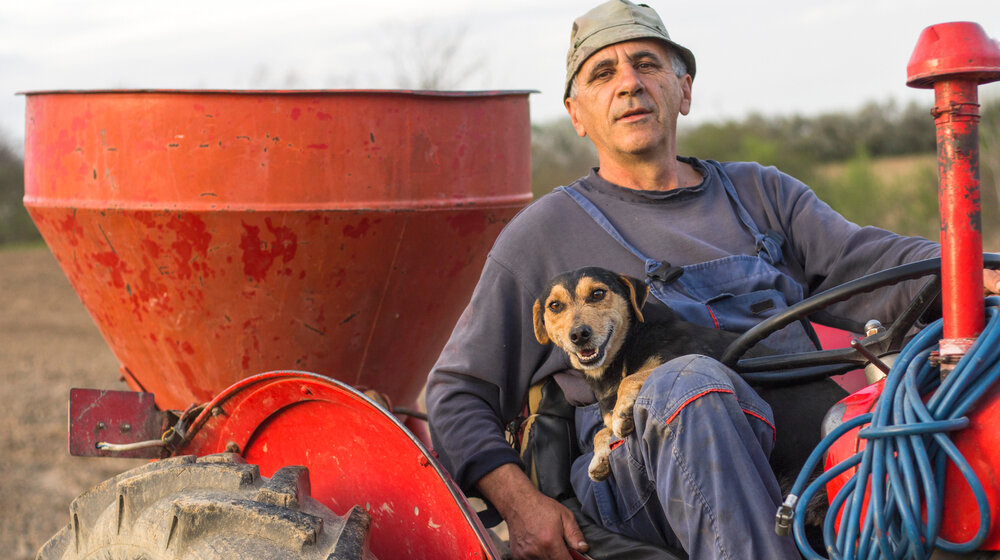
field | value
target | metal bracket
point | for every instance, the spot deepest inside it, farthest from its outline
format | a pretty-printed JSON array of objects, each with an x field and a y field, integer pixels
[{"x": 116, "y": 417}]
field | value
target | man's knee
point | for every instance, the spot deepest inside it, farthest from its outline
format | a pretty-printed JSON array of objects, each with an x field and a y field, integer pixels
[{"x": 681, "y": 380}]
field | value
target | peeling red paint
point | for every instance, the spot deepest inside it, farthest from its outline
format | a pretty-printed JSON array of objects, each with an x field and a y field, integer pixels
[
  {"x": 151, "y": 248},
  {"x": 468, "y": 223},
  {"x": 357, "y": 231},
  {"x": 323, "y": 116},
  {"x": 192, "y": 244},
  {"x": 150, "y": 295},
  {"x": 295, "y": 114},
  {"x": 116, "y": 267},
  {"x": 147, "y": 219},
  {"x": 259, "y": 254},
  {"x": 188, "y": 374},
  {"x": 317, "y": 146},
  {"x": 72, "y": 231},
  {"x": 338, "y": 276}
]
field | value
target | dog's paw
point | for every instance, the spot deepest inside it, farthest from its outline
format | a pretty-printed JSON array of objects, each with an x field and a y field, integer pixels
[
  {"x": 600, "y": 467},
  {"x": 623, "y": 425},
  {"x": 621, "y": 417}
]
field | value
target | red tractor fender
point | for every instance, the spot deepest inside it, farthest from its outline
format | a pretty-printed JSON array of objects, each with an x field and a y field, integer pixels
[{"x": 357, "y": 454}]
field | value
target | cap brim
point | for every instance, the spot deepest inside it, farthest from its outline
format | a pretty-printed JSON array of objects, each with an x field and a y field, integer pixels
[{"x": 620, "y": 34}]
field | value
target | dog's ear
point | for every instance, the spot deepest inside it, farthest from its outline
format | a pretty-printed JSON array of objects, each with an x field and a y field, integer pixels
[
  {"x": 539, "y": 318},
  {"x": 638, "y": 291}
]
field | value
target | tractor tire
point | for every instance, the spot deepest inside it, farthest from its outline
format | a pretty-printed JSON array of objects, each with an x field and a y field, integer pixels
[{"x": 213, "y": 507}]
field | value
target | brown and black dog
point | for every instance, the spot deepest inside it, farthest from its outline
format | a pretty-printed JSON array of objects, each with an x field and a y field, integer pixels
[{"x": 595, "y": 316}]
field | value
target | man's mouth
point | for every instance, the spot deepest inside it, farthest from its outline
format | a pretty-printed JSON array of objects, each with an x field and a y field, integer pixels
[{"x": 633, "y": 114}]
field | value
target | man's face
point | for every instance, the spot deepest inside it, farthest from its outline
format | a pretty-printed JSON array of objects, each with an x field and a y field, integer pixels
[{"x": 628, "y": 99}]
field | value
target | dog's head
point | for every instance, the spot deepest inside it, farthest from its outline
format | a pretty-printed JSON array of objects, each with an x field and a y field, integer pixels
[{"x": 587, "y": 313}]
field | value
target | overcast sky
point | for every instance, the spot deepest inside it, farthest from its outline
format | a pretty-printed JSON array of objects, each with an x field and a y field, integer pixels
[{"x": 768, "y": 56}]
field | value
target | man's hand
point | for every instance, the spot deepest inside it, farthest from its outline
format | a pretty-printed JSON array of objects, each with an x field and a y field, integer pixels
[
  {"x": 991, "y": 282},
  {"x": 540, "y": 527}
]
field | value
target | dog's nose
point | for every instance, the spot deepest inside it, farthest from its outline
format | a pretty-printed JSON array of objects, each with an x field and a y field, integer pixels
[{"x": 580, "y": 335}]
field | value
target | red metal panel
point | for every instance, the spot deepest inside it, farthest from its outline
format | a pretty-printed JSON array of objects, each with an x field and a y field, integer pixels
[
  {"x": 118, "y": 417},
  {"x": 356, "y": 452},
  {"x": 214, "y": 235}
]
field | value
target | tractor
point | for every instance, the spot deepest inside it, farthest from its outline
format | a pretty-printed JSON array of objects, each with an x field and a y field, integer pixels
[{"x": 214, "y": 235}]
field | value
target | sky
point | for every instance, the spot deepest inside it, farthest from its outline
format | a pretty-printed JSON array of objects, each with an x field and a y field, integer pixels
[{"x": 771, "y": 57}]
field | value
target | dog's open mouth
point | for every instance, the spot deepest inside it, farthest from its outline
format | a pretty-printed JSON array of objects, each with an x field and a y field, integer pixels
[{"x": 592, "y": 355}]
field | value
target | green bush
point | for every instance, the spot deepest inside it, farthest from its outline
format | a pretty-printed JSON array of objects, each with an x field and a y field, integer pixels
[{"x": 15, "y": 224}]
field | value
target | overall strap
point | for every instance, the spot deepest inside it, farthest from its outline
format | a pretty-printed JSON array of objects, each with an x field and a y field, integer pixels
[
  {"x": 656, "y": 270},
  {"x": 768, "y": 244}
]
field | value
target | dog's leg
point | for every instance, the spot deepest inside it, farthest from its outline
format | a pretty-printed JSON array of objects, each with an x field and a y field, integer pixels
[
  {"x": 600, "y": 465},
  {"x": 621, "y": 418}
]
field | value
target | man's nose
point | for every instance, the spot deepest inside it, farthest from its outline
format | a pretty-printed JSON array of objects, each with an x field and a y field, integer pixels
[{"x": 628, "y": 81}]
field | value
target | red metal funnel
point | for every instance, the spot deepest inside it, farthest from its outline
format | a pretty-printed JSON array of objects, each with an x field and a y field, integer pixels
[{"x": 213, "y": 235}]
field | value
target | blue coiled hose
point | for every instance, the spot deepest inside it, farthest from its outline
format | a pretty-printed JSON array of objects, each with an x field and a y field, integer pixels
[{"x": 904, "y": 460}]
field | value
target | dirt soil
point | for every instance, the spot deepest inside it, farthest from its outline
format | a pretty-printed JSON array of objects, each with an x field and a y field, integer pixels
[{"x": 48, "y": 344}]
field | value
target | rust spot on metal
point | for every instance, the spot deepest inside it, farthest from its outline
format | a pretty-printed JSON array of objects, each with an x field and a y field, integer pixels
[
  {"x": 313, "y": 329},
  {"x": 348, "y": 318},
  {"x": 259, "y": 255}
]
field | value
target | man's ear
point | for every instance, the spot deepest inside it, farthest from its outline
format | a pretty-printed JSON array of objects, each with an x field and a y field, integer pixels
[
  {"x": 638, "y": 292},
  {"x": 571, "y": 108},
  {"x": 540, "y": 333},
  {"x": 686, "y": 83}
]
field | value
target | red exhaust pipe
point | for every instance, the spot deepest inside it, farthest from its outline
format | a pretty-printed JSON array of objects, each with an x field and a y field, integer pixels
[{"x": 954, "y": 59}]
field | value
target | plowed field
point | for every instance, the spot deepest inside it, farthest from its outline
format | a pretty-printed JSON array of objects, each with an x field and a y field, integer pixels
[{"x": 48, "y": 344}]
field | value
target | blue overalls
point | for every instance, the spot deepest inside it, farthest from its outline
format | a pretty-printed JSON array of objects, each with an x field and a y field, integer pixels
[{"x": 695, "y": 473}]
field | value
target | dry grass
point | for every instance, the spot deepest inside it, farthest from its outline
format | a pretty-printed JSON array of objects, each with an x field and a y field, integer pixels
[{"x": 904, "y": 198}]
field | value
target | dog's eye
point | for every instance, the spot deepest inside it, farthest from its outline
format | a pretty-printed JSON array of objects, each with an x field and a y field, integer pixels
[
  {"x": 555, "y": 306},
  {"x": 597, "y": 295}
]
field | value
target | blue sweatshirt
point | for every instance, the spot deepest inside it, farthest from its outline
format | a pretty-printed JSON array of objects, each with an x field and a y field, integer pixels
[{"x": 481, "y": 380}]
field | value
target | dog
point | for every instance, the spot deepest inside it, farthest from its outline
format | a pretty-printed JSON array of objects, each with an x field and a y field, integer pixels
[{"x": 595, "y": 316}]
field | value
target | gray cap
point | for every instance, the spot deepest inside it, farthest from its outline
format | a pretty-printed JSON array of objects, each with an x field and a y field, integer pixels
[{"x": 616, "y": 21}]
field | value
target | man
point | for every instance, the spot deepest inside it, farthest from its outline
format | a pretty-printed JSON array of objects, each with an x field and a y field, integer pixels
[{"x": 694, "y": 474}]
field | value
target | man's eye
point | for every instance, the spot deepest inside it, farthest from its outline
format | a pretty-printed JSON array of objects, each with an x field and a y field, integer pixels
[
  {"x": 597, "y": 295},
  {"x": 555, "y": 306}
]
